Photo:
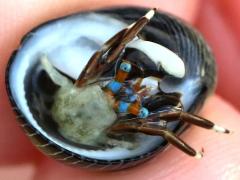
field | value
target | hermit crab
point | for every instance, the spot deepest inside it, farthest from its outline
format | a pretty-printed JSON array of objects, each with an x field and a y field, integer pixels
[{"x": 109, "y": 89}]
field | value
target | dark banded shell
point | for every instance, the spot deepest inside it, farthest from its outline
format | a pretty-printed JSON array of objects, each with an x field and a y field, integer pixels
[{"x": 164, "y": 29}]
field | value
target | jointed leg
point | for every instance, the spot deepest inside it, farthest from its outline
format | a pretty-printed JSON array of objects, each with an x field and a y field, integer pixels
[
  {"x": 192, "y": 119},
  {"x": 92, "y": 64},
  {"x": 151, "y": 125},
  {"x": 158, "y": 131},
  {"x": 172, "y": 139},
  {"x": 178, "y": 114},
  {"x": 130, "y": 34}
]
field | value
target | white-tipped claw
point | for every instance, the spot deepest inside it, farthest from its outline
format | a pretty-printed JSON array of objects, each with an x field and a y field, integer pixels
[
  {"x": 199, "y": 154},
  {"x": 220, "y": 129},
  {"x": 150, "y": 14}
]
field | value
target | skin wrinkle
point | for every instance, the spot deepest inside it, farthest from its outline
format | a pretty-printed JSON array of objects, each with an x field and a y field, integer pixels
[{"x": 18, "y": 17}]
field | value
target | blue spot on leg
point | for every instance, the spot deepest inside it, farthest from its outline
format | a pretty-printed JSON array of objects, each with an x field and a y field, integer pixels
[
  {"x": 123, "y": 107},
  {"x": 143, "y": 113},
  {"x": 114, "y": 86}
]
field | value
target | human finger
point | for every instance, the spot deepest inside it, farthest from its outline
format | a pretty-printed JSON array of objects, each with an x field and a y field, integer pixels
[{"x": 218, "y": 21}]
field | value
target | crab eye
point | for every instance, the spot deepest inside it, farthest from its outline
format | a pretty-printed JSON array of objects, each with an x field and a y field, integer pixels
[
  {"x": 143, "y": 113},
  {"x": 126, "y": 67}
]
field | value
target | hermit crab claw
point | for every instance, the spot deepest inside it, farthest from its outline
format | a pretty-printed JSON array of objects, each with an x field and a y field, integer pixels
[{"x": 116, "y": 45}]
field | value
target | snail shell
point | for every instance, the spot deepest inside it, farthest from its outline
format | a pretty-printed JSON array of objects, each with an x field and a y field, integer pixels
[{"x": 69, "y": 42}]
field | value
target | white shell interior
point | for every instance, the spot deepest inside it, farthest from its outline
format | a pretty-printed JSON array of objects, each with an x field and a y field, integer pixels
[{"x": 69, "y": 43}]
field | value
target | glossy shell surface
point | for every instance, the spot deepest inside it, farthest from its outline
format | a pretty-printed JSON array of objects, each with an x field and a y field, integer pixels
[{"x": 97, "y": 27}]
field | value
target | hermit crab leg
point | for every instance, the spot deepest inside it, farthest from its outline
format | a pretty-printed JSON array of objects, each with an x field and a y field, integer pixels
[
  {"x": 157, "y": 130},
  {"x": 131, "y": 34},
  {"x": 193, "y": 119},
  {"x": 114, "y": 86},
  {"x": 123, "y": 37},
  {"x": 94, "y": 60}
]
